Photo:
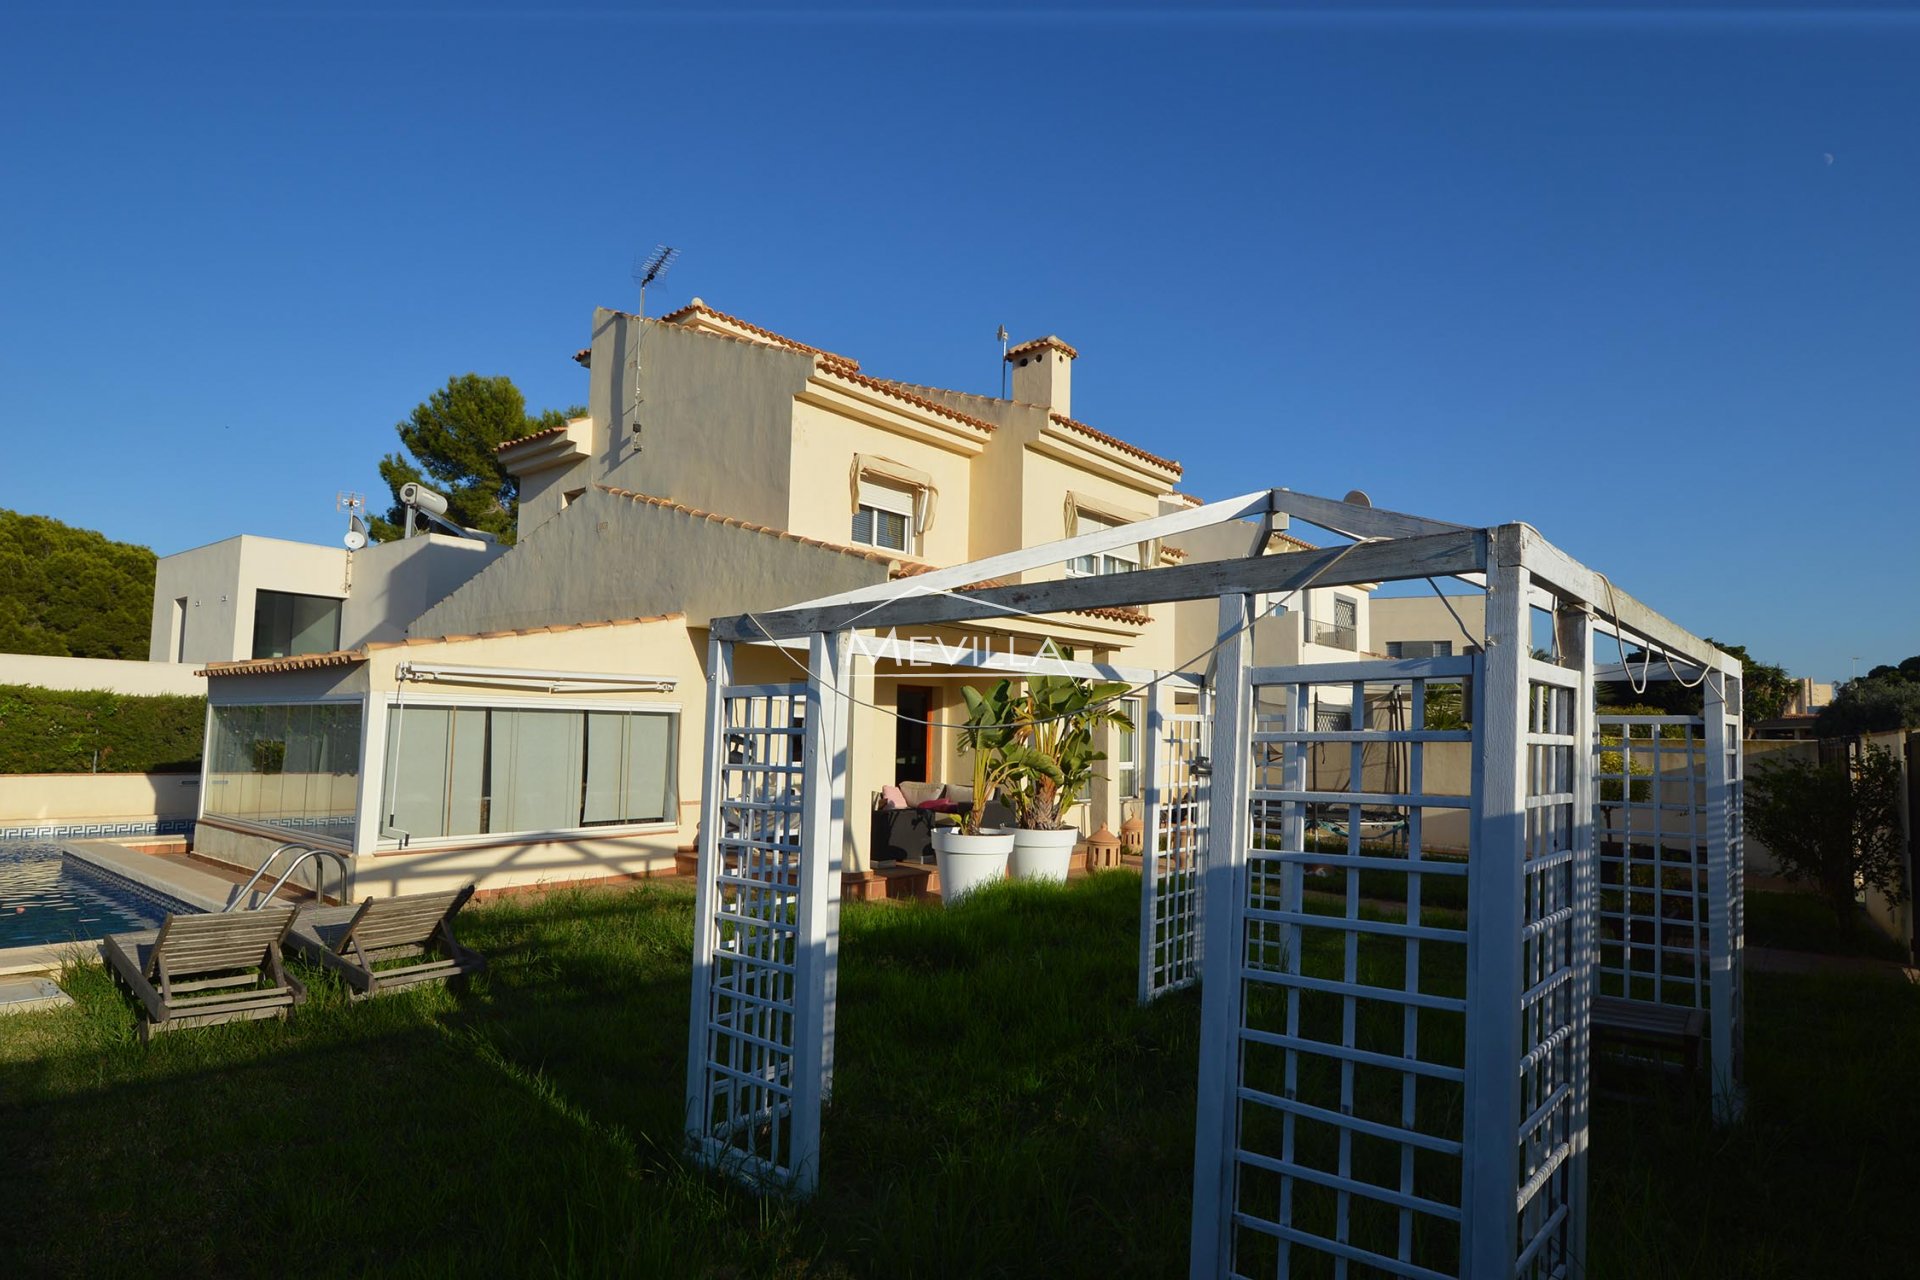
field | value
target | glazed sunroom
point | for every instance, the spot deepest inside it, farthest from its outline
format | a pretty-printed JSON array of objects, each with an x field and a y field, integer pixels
[{"x": 1402, "y": 1091}]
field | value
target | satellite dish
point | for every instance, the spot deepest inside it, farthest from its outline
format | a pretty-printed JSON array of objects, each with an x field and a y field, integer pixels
[
  {"x": 1357, "y": 498},
  {"x": 356, "y": 540}
]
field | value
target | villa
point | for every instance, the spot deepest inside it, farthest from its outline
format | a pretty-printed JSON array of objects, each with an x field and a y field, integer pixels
[{"x": 440, "y": 709}]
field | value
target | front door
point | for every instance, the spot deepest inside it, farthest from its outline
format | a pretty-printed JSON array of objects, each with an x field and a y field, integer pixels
[{"x": 912, "y": 733}]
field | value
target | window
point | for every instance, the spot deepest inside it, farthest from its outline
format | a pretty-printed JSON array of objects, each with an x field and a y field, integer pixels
[
  {"x": 286, "y": 625},
  {"x": 292, "y": 766},
  {"x": 1120, "y": 560},
  {"x": 1126, "y": 763},
  {"x": 464, "y": 771},
  {"x": 884, "y": 516},
  {"x": 180, "y": 629},
  {"x": 1332, "y": 720},
  {"x": 1419, "y": 648}
]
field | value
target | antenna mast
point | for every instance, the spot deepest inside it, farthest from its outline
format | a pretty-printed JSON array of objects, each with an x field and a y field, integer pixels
[
  {"x": 1002, "y": 335},
  {"x": 651, "y": 268}
]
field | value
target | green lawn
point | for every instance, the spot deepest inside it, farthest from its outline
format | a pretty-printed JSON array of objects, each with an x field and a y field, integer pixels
[{"x": 1003, "y": 1109}]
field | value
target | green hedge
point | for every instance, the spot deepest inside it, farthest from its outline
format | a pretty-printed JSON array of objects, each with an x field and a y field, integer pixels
[{"x": 56, "y": 731}]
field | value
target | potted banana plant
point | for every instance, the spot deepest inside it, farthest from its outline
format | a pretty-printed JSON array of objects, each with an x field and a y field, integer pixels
[
  {"x": 970, "y": 855},
  {"x": 1053, "y": 766}
]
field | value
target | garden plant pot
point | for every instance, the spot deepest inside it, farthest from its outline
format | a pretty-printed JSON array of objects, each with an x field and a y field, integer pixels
[
  {"x": 1043, "y": 855},
  {"x": 967, "y": 862}
]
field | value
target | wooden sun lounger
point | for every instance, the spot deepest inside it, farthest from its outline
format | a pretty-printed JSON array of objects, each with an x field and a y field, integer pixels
[
  {"x": 352, "y": 940},
  {"x": 222, "y": 958}
]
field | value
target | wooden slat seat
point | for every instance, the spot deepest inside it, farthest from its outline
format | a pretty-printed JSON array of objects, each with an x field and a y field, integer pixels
[
  {"x": 1664, "y": 1028},
  {"x": 232, "y": 960},
  {"x": 351, "y": 941}
]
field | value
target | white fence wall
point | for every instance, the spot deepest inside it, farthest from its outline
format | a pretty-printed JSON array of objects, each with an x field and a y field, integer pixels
[{"x": 113, "y": 675}]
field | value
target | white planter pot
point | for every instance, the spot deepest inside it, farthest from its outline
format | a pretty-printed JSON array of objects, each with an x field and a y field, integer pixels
[
  {"x": 967, "y": 862},
  {"x": 1043, "y": 855}
]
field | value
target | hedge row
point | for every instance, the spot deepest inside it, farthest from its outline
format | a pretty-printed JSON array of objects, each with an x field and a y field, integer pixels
[{"x": 56, "y": 731}]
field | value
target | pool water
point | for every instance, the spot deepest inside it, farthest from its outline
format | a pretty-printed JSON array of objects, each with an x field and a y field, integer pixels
[{"x": 47, "y": 898}]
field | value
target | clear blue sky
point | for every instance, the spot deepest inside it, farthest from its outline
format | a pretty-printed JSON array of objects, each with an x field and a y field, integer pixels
[{"x": 1650, "y": 284}]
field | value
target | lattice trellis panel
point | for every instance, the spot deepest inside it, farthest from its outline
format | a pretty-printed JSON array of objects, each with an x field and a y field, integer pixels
[
  {"x": 1175, "y": 855},
  {"x": 1553, "y": 1063},
  {"x": 744, "y": 1086},
  {"x": 1651, "y": 825},
  {"x": 1349, "y": 1015}
]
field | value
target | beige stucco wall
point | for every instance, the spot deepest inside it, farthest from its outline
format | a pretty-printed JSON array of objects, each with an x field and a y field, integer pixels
[
  {"x": 609, "y": 556},
  {"x": 70, "y": 799},
  {"x": 113, "y": 675},
  {"x": 820, "y": 503},
  {"x": 715, "y": 414},
  {"x": 1425, "y": 617}
]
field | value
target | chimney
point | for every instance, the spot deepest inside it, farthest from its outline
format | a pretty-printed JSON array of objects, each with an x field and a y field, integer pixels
[{"x": 1043, "y": 374}]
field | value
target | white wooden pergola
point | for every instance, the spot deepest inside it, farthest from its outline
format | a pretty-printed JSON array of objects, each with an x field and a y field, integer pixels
[{"x": 1401, "y": 1094}]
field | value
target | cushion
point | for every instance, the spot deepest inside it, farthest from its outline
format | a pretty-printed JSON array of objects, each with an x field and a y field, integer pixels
[
  {"x": 960, "y": 794},
  {"x": 942, "y": 805},
  {"x": 915, "y": 792},
  {"x": 892, "y": 797}
]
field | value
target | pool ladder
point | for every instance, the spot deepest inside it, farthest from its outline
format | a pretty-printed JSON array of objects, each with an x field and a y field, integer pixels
[{"x": 305, "y": 852}]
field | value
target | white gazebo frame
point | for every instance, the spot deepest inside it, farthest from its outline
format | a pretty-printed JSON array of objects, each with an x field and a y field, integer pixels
[{"x": 1280, "y": 1172}]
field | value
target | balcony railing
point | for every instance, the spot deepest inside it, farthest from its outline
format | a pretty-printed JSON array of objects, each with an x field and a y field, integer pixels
[{"x": 1335, "y": 637}]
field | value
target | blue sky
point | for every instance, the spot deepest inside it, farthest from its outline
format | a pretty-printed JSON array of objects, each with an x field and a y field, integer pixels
[{"x": 1649, "y": 283}]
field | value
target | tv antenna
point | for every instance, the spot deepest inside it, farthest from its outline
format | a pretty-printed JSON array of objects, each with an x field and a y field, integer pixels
[
  {"x": 651, "y": 268},
  {"x": 1002, "y": 335}
]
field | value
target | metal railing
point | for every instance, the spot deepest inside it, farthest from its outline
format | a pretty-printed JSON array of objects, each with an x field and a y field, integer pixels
[{"x": 306, "y": 852}]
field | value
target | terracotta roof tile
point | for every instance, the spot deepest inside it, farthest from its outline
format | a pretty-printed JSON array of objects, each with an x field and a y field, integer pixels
[
  {"x": 697, "y": 307},
  {"x": 1094, "y": 434},
  {"x": 274, "y": 666},
  {"x": 1036, "y": 344},
  {"x": 864, "y": 553},
  {"x": 898, "y": 392},
  {"x": 350, "y": 657},
  {"x": 505, "y": 445}
]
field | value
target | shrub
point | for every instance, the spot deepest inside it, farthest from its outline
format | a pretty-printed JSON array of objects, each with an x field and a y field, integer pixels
[
  {"x": 58, "y": 731},
  {"x": 1836, "y": 823}
]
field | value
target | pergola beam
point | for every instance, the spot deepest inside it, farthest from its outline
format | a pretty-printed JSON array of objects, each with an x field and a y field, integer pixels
[
  {"x": 1356, "y": 521},
  {"x": 1048, "y": 554},
  {"x": 1458, "y": 551},
  {"x": 1567, "y": 577}
]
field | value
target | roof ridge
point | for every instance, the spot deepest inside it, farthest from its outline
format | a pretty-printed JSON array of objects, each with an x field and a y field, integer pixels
[
  {"x": 1075, "y": 424},
  {"x": 699, "y": 307},
  {"x": 349, "y": 657},
  {"x": 887, "y": 386},
  {"x": 878, "y": 557}
]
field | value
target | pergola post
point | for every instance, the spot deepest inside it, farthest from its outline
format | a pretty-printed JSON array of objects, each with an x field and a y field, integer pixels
[
  {"x": 1152, "y": 820},
  {"x": 1722, "y": 734},
  {"x": 1495, "y": 916},
  {"x": 822, "y": 818},
  {"x": 1573, "y": 639},
  {"x": 706, "y": 891},
  {"x": 1223, "y": 924}
]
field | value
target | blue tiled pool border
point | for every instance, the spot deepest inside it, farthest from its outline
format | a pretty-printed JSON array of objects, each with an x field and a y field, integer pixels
[{"x": 99, "y": 830}]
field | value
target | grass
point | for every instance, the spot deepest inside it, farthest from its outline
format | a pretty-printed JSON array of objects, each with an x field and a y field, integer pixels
[{"x": 1002, "y": 1109}]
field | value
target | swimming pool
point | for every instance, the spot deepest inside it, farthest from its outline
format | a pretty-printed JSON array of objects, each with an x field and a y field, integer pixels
[{"x": 46, "y": 897}]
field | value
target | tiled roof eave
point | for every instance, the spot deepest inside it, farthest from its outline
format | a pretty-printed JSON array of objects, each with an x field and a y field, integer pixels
[{"x": 1114, "y": 442}]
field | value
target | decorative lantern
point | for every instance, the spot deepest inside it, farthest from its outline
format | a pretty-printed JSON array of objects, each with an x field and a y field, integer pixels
[
  {"x": 1103, "y": 849},
  {"x": 1133, "y": 834}
]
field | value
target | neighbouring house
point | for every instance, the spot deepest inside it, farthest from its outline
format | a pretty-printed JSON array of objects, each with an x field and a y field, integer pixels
[
  {"x": 538, "y": 719},
  {"x": 252, "y": 597},
  {"x": 1428, "y": 626}
]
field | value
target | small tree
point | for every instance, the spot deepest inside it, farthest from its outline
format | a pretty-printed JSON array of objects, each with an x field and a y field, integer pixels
[
  {"x": 451, "y": 441},
  {"x": 1835, "y": 823}
]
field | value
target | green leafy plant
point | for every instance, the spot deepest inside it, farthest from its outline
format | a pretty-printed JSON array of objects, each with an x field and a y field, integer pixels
[
  {"x": 991, "y": 737},
  {"x": 1054, "y": 759},
  {"x": 1835, "y": 823}
]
